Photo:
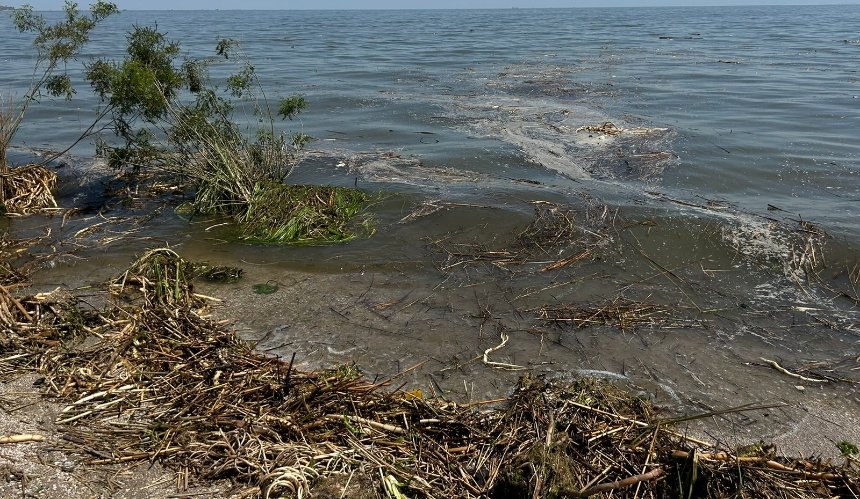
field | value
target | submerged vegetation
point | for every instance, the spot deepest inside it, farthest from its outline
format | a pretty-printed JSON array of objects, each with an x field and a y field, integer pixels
[
  {"x": 303, "y": 214},
  {"x": 553, "y": 233}
]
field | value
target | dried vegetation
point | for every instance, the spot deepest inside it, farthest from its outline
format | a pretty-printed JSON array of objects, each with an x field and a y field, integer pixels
[
  {"x": 152, "y": 378},
  {"x": 553, "y": 234},
  {"x": 619, "y": 313},
  {"x": 27, "y": 189}
]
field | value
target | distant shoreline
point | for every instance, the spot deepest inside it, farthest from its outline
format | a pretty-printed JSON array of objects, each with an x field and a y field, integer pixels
[{"x": 582, "y": 7}]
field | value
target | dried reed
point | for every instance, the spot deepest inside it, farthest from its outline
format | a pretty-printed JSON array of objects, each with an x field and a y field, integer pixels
[
  {"x": 552, "y": 231},
  {"x": 619, "y": 313},
  {"x": 28, "y": 189},
  {"x": 158, "y": 381}
]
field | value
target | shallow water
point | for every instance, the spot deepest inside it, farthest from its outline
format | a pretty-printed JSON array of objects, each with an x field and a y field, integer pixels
[{"x": 739, "y": 127}]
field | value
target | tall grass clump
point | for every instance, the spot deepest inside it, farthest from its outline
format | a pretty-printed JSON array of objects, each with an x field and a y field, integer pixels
[{"x": 173, "y": 117}]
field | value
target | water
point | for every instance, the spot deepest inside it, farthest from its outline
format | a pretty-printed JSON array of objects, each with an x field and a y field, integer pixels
[{"x": 740, "y": 126}]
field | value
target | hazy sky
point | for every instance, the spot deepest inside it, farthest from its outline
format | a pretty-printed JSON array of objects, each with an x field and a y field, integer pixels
[{"x": 409, "y": 4}]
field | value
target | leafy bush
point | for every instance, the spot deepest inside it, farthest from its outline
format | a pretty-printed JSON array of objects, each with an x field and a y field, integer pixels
[{"x": 171, "y": 116}]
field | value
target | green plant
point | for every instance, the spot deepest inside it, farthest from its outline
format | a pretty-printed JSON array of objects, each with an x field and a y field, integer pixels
[
  {"x": 56, "y": 44},
  {"x": 266, "y": 288},
  {"x": 847, "y": 448},
  {"x": 302, "y": 214},
  {"x": 173, "y": 117}
]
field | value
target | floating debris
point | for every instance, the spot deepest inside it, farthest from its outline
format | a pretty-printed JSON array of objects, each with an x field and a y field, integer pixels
[
  {"x": 605, "y": 128},
  {"x": 622, "y": 314},
  {"x": 552, "y": 230},
  {"x": 304, "y": 214}
]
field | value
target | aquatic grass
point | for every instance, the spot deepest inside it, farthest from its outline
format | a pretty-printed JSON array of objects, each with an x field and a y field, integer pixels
[
  {"x": 246, "y": 181},
  {"x": 194, "y": 136},
  {"x": 266, "y": 288},
  {"x": 302, "y": 214}
]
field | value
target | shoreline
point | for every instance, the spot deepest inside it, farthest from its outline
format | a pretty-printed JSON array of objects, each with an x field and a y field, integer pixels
[
  {"x": 606, "y": 413},
  {"x": 520, "y": 263},
  {"x": 353, "y": 287}
]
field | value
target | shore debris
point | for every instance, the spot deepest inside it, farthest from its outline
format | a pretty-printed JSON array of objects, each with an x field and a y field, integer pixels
[
  {"x": 28, "y": 189},
  {"x": 154, "y": 379},
  {"x": 552, "y": 232},
  {"x": 774, "y": 364},
  {"x": 17, "y": 439},
  {"x": 619, "y": 313}
]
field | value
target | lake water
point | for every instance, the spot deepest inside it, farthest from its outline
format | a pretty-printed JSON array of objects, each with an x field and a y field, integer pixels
[{"x": 731, "y": 197}]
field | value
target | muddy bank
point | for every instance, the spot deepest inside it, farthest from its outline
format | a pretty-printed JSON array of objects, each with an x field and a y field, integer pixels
[{"x": 56, "y": 467}]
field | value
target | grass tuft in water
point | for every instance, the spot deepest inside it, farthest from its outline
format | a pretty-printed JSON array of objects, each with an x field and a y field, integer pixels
[
  {"x": 266, "y": 288},
  {"x": 163, "y": 278},
  {"x": 303, "y": 214}
]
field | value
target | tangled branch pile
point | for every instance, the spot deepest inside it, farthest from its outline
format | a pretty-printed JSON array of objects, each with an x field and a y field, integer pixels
[{"x": 156, "y": 380}]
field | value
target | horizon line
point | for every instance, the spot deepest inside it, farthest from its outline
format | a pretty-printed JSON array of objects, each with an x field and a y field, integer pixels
[{"x": 855, "y": 2}]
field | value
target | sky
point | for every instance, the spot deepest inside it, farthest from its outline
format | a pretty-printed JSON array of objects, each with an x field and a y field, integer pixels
[{"x": 408, "y": 4}]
